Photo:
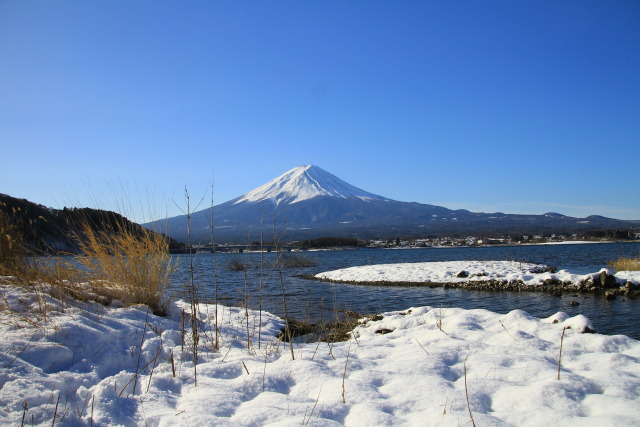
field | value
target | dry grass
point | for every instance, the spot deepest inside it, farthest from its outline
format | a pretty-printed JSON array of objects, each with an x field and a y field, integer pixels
[
  {"x": 133, "y": 267},
  {"x": 47, "y": 287},
  {"x": 11, "y": 246},
  {"x": 38, "y": 280},
  {"x": 626, "y": 264}
]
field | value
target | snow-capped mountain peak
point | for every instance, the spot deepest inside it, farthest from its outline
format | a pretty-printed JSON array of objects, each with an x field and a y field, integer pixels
[{"x": 303, "y": 183}]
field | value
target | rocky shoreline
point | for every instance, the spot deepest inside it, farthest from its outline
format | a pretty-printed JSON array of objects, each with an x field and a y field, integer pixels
[{"x": 603, "y": 284}]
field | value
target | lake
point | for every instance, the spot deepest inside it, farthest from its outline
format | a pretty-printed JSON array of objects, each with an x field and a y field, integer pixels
[{"x": 312, "y": 301}]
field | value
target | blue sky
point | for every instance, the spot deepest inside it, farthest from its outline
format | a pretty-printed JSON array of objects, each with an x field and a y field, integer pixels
[{"x": 512, "y": 106}]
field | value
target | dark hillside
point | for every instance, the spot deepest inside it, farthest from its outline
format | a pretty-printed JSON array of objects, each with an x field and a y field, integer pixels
[{"x": 51, "y": 231}]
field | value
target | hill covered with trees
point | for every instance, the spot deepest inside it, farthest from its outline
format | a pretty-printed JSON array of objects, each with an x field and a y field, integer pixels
[{"x": 56, "y": 231}]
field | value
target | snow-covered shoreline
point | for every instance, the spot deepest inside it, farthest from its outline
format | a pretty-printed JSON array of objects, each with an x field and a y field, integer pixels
[
  {"x": 408, "y": 367},
  {"x": 494, "y": 275}
]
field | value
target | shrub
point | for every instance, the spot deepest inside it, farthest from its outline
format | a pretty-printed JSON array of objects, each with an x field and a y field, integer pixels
[
  {"x": 236, "y": 265},
  {"x": 296, "y": 261}
]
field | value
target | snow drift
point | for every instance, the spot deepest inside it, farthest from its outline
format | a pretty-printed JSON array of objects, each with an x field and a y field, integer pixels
[{"x": 405, "y": 368}]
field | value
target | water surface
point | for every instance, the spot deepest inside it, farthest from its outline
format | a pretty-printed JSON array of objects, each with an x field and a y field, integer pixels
[{"x": 312, "y": 300}]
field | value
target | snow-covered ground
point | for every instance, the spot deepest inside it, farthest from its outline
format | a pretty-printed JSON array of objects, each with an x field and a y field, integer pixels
[
  {"x": 467, "y": 271},
  {"x": 414, "y": 367}
]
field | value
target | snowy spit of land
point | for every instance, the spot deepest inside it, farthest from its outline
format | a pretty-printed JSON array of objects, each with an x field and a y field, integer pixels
[
  {"x": 86, "y": 364},
  {"x": 469, "y": 272}
]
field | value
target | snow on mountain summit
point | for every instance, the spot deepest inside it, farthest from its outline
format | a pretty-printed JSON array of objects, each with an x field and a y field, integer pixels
[{"x": 303, "y": 183}]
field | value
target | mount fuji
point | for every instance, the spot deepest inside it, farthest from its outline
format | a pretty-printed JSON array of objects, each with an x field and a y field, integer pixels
[
  {"x": 308, "y": 202},
  {"x": 304, "y": 183}
]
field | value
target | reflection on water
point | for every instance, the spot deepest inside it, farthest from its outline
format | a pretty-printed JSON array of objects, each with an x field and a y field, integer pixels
[{"x": 311, "y": 300}]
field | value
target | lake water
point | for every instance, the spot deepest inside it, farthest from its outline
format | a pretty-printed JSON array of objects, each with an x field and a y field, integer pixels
[{"x": 312, "y": 300}]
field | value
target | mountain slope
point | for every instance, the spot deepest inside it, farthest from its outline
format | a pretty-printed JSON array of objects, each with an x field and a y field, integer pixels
[{"x": 308, "y": 202}]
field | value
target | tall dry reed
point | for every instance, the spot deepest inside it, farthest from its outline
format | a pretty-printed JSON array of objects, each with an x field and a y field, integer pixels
[
  {"x": 626, "y": 264},
  {"x": 132, "y": 266}
]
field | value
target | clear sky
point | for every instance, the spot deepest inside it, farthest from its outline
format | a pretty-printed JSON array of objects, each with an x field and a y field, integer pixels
[{"x": 511, "y": 106}]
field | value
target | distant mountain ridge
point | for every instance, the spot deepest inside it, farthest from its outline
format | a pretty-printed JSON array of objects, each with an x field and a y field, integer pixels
[{"x": 307, "y": 202}]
